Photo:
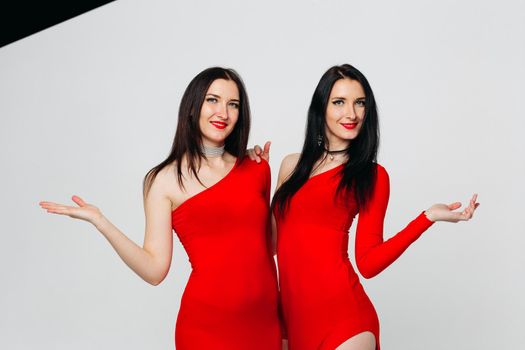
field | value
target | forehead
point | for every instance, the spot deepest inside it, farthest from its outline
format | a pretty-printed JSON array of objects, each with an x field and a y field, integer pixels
[
  {"x": 347, "y": 87},
  {"x": 224, "y": 88}
]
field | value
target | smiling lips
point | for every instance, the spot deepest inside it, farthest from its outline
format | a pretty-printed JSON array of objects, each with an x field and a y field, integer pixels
[
  {"x": 219, "y": 125},
  {"x": 349, "y": 126}
]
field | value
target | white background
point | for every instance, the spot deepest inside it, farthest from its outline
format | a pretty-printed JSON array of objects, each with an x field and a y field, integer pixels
[{"x": 87, "y": 107}]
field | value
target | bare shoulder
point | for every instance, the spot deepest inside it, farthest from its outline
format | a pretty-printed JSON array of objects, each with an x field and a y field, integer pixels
[
  {"x": 291, "y": 160},
  {"x": 165, "y": 185},
  {"x": 166, "y": 175},
  {"x": 288, "y": 164}
]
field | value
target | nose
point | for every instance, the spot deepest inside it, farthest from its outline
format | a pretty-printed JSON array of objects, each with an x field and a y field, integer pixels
[
  {"x": 351, "y": 114},
  {"x": 222, "y": 111}
]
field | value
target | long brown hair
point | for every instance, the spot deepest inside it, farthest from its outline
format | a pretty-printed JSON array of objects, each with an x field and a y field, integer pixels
[{"x": 188, "y": 138}]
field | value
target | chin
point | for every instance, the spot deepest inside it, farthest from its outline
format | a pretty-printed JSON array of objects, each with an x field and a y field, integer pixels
[
  {"x": 213, "y": 137},
  {"x": 353, "y": 134},
  {"x": 348, "y": 137}
]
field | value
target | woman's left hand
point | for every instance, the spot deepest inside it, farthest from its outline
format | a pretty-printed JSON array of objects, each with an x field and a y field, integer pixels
[
  {"x": 444, "y": 212},
  {"x": 257, "y": 153}
]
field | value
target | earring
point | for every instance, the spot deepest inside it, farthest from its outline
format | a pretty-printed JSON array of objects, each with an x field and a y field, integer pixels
[{"x": 319, "y": 140}]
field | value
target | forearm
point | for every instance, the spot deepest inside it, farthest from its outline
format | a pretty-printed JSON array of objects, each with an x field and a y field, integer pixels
[
  {"x": 137, "y": 258},
  {"x": 374, "y": 257}
]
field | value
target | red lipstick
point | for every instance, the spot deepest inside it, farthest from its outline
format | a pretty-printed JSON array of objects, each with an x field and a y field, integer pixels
[
  {"x": 219, "y": 125},
  {"x": 349, "y": 126}
]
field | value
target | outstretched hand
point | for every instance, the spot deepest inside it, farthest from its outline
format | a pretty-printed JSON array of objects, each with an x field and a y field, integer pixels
[
  {"x": 84, "y": 211},
  {"x": 257, "y": 153},
  {"x": 444, "y": 212}
]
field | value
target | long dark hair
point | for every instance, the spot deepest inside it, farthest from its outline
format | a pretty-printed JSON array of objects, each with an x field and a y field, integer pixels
[
  {"x": 359, "y": 172},
  {"x": 188, "y": 138}
]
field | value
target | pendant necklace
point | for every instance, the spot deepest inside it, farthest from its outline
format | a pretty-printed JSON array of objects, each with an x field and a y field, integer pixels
[{"x": 332, "y": 153}]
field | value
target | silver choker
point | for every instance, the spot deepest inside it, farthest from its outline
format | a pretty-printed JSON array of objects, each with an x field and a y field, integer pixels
[{"x": 212, "y": 151}]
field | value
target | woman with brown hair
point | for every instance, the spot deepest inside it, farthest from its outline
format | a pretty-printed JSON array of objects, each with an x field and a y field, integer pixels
[{"x": 218, "y": 204}]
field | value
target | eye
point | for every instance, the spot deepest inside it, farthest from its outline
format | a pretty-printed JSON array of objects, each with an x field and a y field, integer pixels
[
  {"x": 234, "y": 105},
  {"x": 360, "y": 103},
  {"x": 211, "y": 100},
  {"x": 338, "y": 102}
]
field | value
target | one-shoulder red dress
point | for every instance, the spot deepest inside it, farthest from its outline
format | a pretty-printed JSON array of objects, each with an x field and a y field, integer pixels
[
  {"x": 323, "y": 301},
  {"x": 230, "y": 301}
]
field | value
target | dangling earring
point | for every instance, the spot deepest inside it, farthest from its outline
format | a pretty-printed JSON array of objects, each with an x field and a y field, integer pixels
[{"x": 319, "y": 140}]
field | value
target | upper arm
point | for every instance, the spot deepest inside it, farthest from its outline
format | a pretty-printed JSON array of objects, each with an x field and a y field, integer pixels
[
  {"x": 267, "y": 189},
  {"x": 378, "y": 202},
  {"x": 370, "y": 224},
  {"x": 267, "y": 178},
  {"x": 287, "y": 166},
  {"x": 158, "y": 238}
]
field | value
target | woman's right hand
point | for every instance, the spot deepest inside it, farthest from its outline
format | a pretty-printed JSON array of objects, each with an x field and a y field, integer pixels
[
  {"x": 151, "y": 261},
  {"x": 84, "y": 211},
  {"x": 256, "y": 153}
]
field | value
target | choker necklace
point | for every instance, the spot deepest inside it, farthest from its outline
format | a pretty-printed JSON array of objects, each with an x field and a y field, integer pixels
[
  {"x": 212, "y": 151},
  {"x": 331, "y": 153}
]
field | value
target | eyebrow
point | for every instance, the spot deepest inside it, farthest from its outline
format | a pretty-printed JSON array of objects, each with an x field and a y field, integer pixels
[
  {"x": 343, "y": 98},
  {"x": 217, "y": 96}
]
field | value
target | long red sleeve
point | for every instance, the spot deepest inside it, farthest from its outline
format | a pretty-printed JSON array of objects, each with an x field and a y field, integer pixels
[{"x": 372, "y": 254}]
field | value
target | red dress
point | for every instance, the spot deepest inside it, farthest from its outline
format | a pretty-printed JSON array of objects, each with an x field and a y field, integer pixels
[
  {"x": 230, "y": 301},
  {"x": 323, "y": 301}
]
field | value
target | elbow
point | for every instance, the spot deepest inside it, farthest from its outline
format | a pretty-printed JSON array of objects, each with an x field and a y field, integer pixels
[
  {"x": 367, "y": 271},
  {"x": 156, "y": 273},
  {"x": 367, "y": 275},
  {"x": 156, "y": 280}
]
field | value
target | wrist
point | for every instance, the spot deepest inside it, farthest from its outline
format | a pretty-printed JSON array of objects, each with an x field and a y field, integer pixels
[
  {"x": 99, "y": 221},
  {"x": 429, "y": 215}
]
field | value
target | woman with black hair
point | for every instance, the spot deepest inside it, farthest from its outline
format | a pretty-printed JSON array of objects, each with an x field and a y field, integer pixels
[
  {"x": 320, "y": 191},
  {"x": 218, "y": 204}
]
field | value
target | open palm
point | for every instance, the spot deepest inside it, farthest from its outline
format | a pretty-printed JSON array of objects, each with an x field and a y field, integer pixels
[
  {"x": 445, "y": 212},
  {"x": 84, "y": 211}
]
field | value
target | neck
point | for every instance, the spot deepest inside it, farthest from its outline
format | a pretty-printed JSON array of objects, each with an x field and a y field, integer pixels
[
  {"x": 334, "y": 143},
  {"x": 336, "y": 146},
  {"x": 212, "y": 151},
  {"x": 336, "y": 149}
]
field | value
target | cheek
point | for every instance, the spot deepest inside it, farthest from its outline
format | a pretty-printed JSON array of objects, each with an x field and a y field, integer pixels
[
  {"x": 202, "y": 120},
  {"x": 234, "y": 116},
  {"x": 361, "y": 114},
  {"x": 206, "y": 112},
  {"x": 332, "y": 116}
]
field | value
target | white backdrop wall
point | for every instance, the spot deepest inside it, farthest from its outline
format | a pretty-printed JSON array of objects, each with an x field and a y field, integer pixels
[{"x": 88, "y": 106}]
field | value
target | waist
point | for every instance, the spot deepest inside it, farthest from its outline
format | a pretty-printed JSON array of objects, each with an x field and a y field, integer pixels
[{"x": 231, "y": 291}]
